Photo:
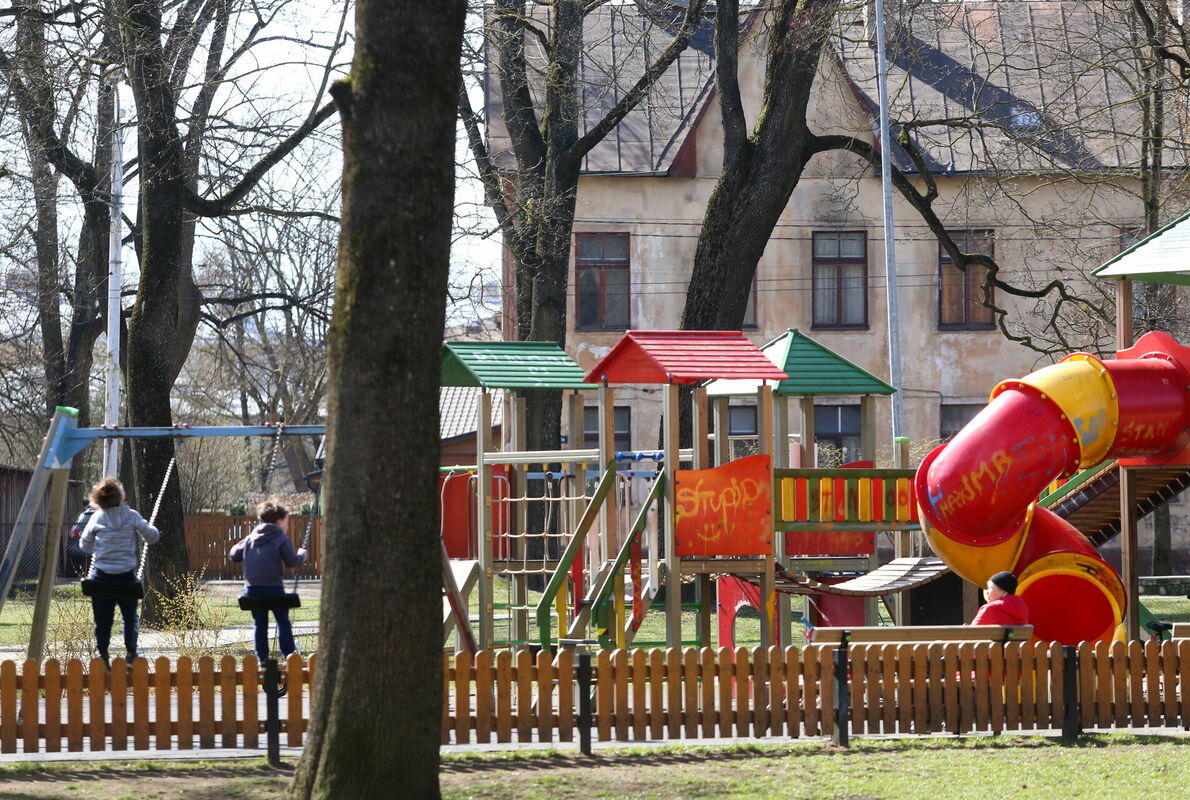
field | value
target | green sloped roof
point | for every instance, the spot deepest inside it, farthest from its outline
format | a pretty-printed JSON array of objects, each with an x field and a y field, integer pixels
[
  {"x": 510, "y": 365},
  {"x": 813, "y": 369},
  {"x": 1162, "y": 257}
]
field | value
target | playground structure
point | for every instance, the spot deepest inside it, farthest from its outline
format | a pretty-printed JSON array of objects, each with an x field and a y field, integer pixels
[
  {"x": 609, "y": 539},
  {"x": 607, "y": 551},
  {"x": 988, "y": 496},
  {"x": 63, "y": 442}
]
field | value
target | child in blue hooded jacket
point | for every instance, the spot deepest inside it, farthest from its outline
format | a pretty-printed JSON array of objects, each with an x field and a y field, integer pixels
[{"x": 265, "y": 552}]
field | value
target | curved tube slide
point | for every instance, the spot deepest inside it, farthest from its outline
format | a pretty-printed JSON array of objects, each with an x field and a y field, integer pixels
[{"x": 977, "y": 494}]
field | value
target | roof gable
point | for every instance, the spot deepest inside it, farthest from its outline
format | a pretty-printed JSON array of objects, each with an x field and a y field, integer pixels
[
  {"x": 618, "y": 40},
  {"x": 683, "y": 357},
  {"x": 1031, "y": 86},
  {"x": 458, "y": 409},
  {"x": 510, "y": 365},
  {"x": 814, "y": 370}
]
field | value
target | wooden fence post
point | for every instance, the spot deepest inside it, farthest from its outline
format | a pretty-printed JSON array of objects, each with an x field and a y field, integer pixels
[
  {"x": 1071, "y": 718},
  {"x": 584, "y": 703},
  {"x": 272, "y": 725},
  {"x": 839, "y": 736}
]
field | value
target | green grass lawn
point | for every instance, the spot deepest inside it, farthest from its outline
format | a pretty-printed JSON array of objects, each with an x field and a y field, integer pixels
[{"x": 1115, "y": 766}]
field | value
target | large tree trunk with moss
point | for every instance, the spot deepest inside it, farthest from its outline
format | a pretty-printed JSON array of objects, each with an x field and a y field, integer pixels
[{"x": 377, "y": 700}]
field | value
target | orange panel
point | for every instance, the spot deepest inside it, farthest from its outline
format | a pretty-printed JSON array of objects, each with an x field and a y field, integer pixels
[{"x": 725, "y": 511}]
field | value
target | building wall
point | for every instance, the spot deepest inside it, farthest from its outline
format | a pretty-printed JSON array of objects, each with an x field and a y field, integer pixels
[{"x": 663, "y": 217}]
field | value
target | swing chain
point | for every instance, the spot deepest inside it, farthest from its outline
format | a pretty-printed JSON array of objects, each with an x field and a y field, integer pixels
[
  {"x": 268, "y": 475},
  {"x": 144, "y": 548},
  {"x": 297, "y": 576}
]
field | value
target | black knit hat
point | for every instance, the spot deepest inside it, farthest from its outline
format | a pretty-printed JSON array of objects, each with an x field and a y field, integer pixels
[{"x": 1005, "y": 580}]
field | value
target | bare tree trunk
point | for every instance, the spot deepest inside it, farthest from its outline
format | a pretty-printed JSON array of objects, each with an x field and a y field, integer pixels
[
  {"x": 377, "y": 702},
  {"x": 761, "y": 169},
  {"x": 535, "y": 209},
  {"x": 153, "y": 328}
]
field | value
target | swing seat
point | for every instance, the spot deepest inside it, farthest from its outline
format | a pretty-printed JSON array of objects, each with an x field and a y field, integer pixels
[
  {"x": 281, "y": 603},
  {"x": 113, "y": 590}
]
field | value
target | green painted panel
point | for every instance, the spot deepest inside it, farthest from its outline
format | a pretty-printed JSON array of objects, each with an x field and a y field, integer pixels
[{"x": 510, "y": 365}]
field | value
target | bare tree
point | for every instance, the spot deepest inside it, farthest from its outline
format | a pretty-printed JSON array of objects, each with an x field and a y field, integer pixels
[
  {"x": 537, "y": 58},
  {"x": 205, "y": 137}
]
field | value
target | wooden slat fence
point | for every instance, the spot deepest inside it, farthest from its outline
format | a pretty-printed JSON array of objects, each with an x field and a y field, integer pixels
[
  {"x": 209, "y": 537},
  {"x": 157, "y": 706},
  {"x": 938, "y": 687},
  {"x": 952, "y": 687}
]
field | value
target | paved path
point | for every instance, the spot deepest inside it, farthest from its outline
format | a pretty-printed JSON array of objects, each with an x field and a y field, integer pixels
[{"x": 293, "y": 753}]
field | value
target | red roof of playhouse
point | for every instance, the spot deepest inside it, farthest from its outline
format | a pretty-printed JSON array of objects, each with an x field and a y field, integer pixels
[{"x": 683, "y": 357}]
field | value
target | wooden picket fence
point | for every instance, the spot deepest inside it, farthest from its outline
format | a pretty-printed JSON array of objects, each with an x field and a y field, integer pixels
[
  {"x": 636, "y": 695},
  {"x": 163, "y": 706},
  {"x": 951, "y": 687},
  {"x": 209, "y": 537}
]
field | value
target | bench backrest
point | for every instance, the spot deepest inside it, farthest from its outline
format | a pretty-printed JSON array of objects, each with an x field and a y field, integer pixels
[
  {"x": 924, "y": 633},
  {"x": 1181, "y": 630}
]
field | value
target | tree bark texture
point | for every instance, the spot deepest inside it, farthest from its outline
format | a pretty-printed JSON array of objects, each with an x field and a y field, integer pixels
[{"x": 375, "y": 719}]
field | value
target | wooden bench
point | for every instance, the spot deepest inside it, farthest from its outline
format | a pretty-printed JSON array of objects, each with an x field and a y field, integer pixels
[
  {"x": 923, "y": 633},
  {"x": 1181, "y": 630}
]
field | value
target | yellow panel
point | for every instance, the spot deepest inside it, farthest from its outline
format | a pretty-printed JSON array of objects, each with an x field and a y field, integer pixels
[
  {"x": 865, "y": 499},
  {"x": 826, "y": 502},
  {"x": 561, "y": 603},
  {"x": 618, "y": 602},
  {"x": 904, "y": 497},
  {"x": 788, "y": 502}
]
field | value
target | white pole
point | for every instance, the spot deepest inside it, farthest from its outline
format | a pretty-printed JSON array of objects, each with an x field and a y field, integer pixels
[
  {"x": 111, "y": 416},
  {"x": 890, "y": 257}
]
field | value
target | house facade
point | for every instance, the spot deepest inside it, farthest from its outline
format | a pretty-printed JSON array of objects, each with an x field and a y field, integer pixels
[{"x": 1032, "y": 168}]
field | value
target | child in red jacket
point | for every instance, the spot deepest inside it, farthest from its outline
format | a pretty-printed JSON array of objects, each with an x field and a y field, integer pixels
[{"x": 1003, "y": 606}]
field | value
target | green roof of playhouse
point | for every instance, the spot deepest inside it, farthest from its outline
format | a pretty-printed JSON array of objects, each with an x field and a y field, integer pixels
[
  {"x": 1163, "y": 257},
  {"x": 813, "y": 370},
  {"x": 510, "y": 365}
]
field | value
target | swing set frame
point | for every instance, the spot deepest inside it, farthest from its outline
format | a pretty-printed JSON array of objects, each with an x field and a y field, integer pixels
[{"x": 64, "y": 441}]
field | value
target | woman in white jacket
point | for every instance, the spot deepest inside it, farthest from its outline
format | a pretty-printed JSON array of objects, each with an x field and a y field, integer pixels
[{"x": 113, "y": 536}]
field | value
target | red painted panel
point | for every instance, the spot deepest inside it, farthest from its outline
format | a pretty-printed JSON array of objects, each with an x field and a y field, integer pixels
[
  {"x": 457, "y": 508},
  {"x": 802, "y": 495},
  {"x": 725, "y": 511},
  {"x": 837, "y": 611},
  {"x": 830, "y": 543}
]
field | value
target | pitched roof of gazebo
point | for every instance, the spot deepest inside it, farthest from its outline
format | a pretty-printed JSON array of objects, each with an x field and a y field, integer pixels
[
  {"x": 814, "y": 370},
  {"x": 683, "y": 357},
  {"x": 510, "y": 365}
]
